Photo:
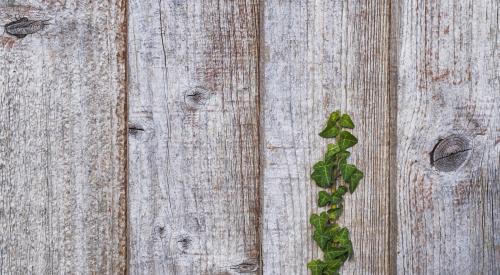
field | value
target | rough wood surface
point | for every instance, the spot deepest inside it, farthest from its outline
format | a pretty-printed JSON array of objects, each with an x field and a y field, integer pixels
[
  {"x": 194, "y": 143},
  {"x": 319, "y": 56},
  {"x": 448, "y": 89},
  {"x": 63, "y": 139}
]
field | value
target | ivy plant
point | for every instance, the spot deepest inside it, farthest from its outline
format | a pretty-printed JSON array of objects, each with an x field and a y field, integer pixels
[{"x": 338, "y": 177}]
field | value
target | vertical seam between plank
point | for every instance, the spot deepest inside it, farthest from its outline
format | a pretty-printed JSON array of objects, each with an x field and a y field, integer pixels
[
  {"x": 261, "y": 135},
  {"x": 392, "y": 78},
  {"x": 126, "y": 120}
]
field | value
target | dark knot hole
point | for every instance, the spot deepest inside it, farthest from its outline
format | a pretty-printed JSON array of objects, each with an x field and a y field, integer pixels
[{"x": 450, "y": 153}]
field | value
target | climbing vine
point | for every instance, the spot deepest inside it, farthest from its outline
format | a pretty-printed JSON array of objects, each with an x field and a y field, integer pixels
[{"x": 337, "y": 176}]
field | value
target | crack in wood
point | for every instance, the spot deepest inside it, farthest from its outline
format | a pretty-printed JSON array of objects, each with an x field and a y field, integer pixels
[
  {"x": 450, "y": 153},
  {"x": 134, "y": 129}
]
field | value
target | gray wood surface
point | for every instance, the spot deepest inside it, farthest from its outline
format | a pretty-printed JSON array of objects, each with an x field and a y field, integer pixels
[
  {"x": 319, "y": 56},
  {"x": 448, "y": 86},
  {"x": 194, "y": 140},
  {"x": 63, "y": 139},
  {"x": 225, "y": 102}
]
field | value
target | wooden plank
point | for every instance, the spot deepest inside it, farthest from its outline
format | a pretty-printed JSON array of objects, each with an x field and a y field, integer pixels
[
  {"x": 194, "y": 139},
  {"x": 320, "y": 56},
  {"x": 448, "y": 89},
  {"x": 63, "y": 139}
]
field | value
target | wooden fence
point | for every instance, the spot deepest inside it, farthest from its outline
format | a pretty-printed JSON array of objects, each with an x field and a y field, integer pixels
[{"x": 177, "y": 136}]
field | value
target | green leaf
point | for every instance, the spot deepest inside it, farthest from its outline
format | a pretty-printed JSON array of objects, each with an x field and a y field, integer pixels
[
  {"x": 334, "y": 199},
  {"x": 355, "y": 179},
  {"x": 343, "y": 234},
  {"x": 316, "y": 267},
  {"x": 330, "y": 131},
  {"x": 322, "y": 238},
  {"x": 334, "y": 213},
  {"x": 346, "y": 140},
  {"x": 332, "y": 267},
  {"x": 324, "y": 198},
  {"x": 334, "y": 117},
  {"x": 344, "y": 241},
  {"x": 322, "y": 174},
  {"x": 341, "y": 190},
  {"x": 331, "y": 151},
  {"x": 346, "y": 122},
  {"x": 347, "y": 170},
  {"x": 336, "y": 253},
  {"x": 350, "y": 250},
  {"x": 330, "y": 272},
  {"x": 341, "y": 157},
  {"x": 319, "y": 221},
  {"x": 351, "y": 175},
  {"x": 333, "y": 240}
]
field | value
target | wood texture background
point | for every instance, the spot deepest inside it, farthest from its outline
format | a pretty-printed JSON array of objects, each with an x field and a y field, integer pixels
[
  {"x": 319, "y": 56},
  {"x": 225, "y": 102},
  {"x": 448, "y": 84},
  {"x": 63, "y": 140},
  {"x": 194, "y": 144}
]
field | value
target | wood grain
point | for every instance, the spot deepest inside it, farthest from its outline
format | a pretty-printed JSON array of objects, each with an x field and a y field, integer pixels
[
  {"x": 319, "y": 56},
  {"x": 63, "y": 139},
  {"x": 194, "y": 139},
  {"x": 448, "y": 86}
]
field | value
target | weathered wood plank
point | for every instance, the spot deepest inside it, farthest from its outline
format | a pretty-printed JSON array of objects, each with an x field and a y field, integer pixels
[
  {"x": 320, "y": 56},
  {"x": 63, "y": 139},
  {"x": 194, "y": 143},
  {"x": 448, "y": 86}
]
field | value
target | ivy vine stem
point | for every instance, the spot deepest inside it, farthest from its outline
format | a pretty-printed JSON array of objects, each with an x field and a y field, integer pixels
[{"x": 333, "y": 173}]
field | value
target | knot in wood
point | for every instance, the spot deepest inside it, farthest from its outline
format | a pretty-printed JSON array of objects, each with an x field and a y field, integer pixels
[
  {"x": 196, "y": 97},
  {"x": 160, "y": 231},
  {"x": 249, "y": 266},
  {"x": 135, "y": 129},
  {"x": 184, "y": 243},
  {"x": 450, "y": 153},
  {"x": 24, "y": 26}
]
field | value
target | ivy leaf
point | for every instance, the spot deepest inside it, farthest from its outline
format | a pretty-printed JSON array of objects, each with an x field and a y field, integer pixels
[
  {"x": 341, "y": 157},
  {"x": 330, "y": 131},
  {"x": 333, "y": 240},
  {"x": 334, "y": 213},
  {"x": 332, "y": 267},
  {"x": 343, "y": 236},
  {"x": 346, "y": 140},
  {"x": 324, "y": 198},
  {"x": 334, "y": 199},
  {"x": 355, "y": 179},
  {"x": 326, "y": 235},
  {"x": 341, "y": 191},
  {"x": 350, "y": 250},
  {"x": 336, "y": 253},
  {"x": 346, "y": 122},
  {"x": 331, "y": 151},
  {"x": 319, "y": 221},
  {"x": 344, "y": 241},
  {"x": 351, "y": 175},
  {"x": 333, "y": 229},
  {"x": 322, "y": 238},
  {"x": 334, "y": 117},
  {"x": 322, "y": 174},
  {"x": 347, "y": 170},
  {"x": 316, "y": 267}
]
